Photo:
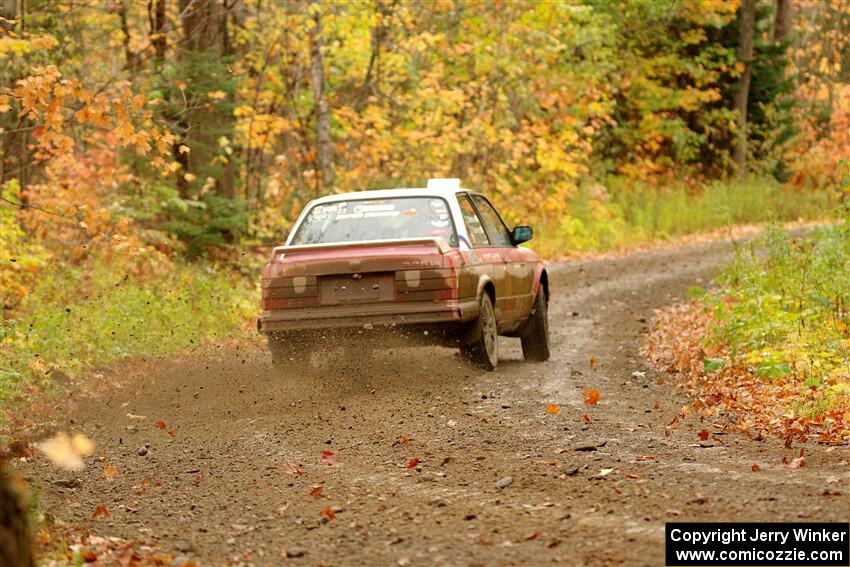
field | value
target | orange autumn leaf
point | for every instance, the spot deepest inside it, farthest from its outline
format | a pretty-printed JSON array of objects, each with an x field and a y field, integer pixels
[
  {"x": 592, "y": 361},
  {"x": 413, "y": 462},
  {"x": 632, "y": 475},
  {"x": 404, "y": 440},
  {"x": 110, "y": 471},
  {"x": 591, "y": 396},
  {"x": 317, "y": 491},
  {"x": 159, "y": 424},
  {"x": 640, "y": 458},
  {"x": 88, "y": 555},
  {"x": 100, "y": 511},
  {"x": 703, "y": 435},
  {"x": 292, "y": 468},
  {"x": 587, "y": 418},
  {"x": 329, "y": 513},
  {"x": 328, "y": 458},
  {"x": 553, "y": 409},
  {"x": 756, "y": 468}
]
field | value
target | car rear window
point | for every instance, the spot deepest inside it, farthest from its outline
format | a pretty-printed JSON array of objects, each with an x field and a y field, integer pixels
[{"x": 376, "y": 219}]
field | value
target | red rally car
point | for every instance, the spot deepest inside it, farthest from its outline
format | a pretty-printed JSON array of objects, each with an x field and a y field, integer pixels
[{"x": 434, "y": 265}]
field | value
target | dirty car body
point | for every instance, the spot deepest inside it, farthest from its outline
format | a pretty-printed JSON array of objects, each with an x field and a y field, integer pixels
[{"x": 418, "y": 264}]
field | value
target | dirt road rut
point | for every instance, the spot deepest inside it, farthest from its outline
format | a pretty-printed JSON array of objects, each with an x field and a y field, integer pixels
[{"x": 229, "y": 478}]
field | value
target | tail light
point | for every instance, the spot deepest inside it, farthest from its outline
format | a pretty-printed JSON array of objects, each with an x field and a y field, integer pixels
[
  {"x": 424, "y": 285},
  {"x": 287, "y": 292}
]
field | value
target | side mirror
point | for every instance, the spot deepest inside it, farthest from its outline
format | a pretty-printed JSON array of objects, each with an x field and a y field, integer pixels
[{"x": 521, "y": 234}]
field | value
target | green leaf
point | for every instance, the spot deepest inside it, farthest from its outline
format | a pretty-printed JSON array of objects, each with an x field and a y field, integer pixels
[
  {"x": 695, "y": 292},
  {"x": 774, "y": 370},
  {"x": 712, "y": 365}
]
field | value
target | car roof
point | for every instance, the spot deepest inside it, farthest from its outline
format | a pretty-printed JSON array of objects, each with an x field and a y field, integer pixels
[{"x": 444, "y": 192}]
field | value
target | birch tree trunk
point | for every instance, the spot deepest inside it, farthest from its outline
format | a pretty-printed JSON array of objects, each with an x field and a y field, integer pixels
[{"x": 324, "y": 146}]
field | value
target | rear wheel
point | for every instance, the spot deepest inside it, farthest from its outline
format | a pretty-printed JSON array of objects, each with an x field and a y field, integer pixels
[
  {"x": 484, "y": 351},
  {"x": 535, "y": 340}
]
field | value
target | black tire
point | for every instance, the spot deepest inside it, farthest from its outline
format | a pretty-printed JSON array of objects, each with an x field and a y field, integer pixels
[
  {"x": 484, "y": 350},
  {"x": 535, "y": 339}
]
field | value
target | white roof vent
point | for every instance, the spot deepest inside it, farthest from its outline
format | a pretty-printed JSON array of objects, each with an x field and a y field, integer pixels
[{"x": 444, "y": 183}]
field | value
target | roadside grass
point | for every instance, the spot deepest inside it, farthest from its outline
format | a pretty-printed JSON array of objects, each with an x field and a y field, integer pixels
[
  {"x": 624, "y": 216},
  {"x": 771, "y": 345},
  {"x": 78, "y": 318}
]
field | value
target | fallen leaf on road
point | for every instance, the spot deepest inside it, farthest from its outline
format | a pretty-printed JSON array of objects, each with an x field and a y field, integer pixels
[
  {"x": 100, "y": 511},
  {"x": 553, "y": 409},
  {"x": 329, "y": 513},
  {"x": 640, "y": 458},
  {"x": 404, "y": 440},
  {"x": 88, "y": 555},
  {"x": 703, "y": 435},
  {"x": 631, "y": 475},
  {"x": 412, "y": 462},
  {"x": 592, "y": 361},
  {"x": 671, "y": 425},
  {"x": 328, "y": 458},
  {"x": 67, "y": 452},
  {"x": 532, "y": 536},
  {"x": 110, "y": 471},
  {"x": 159, "y": 424},
  {"x": 587, "y": 418},
  {"x": 291, "y": 468},
  {"x": 316, "y": 492},
  {"x": 798, "y": 463},
  {"x": 756, "y": 468},
  {"x": 591, "y": 396}
]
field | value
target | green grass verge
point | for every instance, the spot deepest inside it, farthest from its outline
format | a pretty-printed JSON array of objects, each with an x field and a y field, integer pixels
[
  {"x": 783, "y": 309},
  {"x": 623, "y": 216},
  {"x": 77, "y": 318}
]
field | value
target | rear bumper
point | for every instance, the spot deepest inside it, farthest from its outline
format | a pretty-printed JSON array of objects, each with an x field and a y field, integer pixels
[{"x": 413, "y": 313}]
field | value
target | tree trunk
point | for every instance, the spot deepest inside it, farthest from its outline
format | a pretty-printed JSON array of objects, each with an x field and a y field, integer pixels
[
  {"x": 9, "y": 12},
  {"x": 130, "y": 59},
  {"x": 15, "y": 541},
  {"x": 203, "y": 24},
  {"x": 157, "y": 23},
  {"x": 746, "y": 25},
  {"x": 782, "y": 23},
  {"x": 205, "y": 31},
  {"x": 15, "y": 153},
  {"x": 324, "y": 147}
]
